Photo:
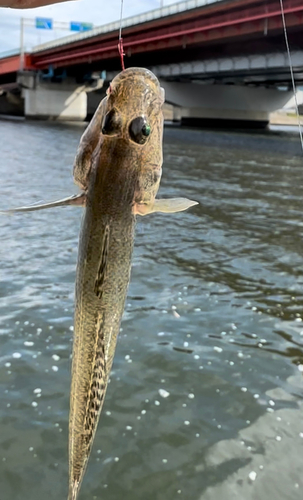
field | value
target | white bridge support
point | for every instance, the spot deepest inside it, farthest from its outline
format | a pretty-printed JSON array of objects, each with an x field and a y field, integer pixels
[
  {"x": 51, "y": 101},
  {"x": 56, "y": 101},
  {"x": 224, "y": 102}
]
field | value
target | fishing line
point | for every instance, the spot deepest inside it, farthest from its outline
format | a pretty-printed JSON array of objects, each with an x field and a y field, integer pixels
[
  {"x": 291, "y": 71},
  {"x": 120, "y": 43}
]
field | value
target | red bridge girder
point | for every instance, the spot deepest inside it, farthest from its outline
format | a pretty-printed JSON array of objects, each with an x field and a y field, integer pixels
[
  {"x": 11, "y": 64},
  {"x": 184, "y": 29}
]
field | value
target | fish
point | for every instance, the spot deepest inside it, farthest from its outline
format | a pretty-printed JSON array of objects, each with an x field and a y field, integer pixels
[{"x": 118, "y": 167}]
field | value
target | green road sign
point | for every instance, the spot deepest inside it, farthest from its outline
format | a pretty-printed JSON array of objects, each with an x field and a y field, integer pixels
[
  {"x": 77, "y": 26},
  {"x": 44, "y": 23}
]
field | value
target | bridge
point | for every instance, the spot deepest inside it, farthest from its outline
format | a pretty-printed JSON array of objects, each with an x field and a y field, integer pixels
[{"x": 217, "y": 60}]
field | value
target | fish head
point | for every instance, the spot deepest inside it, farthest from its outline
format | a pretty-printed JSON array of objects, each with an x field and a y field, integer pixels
[
  {"x": 133, "y": 108},
  {"x": 133, "y": 117}
]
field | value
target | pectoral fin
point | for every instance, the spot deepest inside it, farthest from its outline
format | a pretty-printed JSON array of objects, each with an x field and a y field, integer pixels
[
  {"x": 75, "y": 199},
  {"x": 171, "y": 205}
]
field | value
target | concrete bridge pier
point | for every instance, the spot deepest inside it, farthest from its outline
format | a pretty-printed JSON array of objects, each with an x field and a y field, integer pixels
[
  {"x": 221, "y": 105},
  {"x": 46, "y": 100},
  {"x": 55, "y": 103}
]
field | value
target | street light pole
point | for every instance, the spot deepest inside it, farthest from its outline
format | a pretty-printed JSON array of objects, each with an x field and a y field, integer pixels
[{"x": 22, "y": 44}]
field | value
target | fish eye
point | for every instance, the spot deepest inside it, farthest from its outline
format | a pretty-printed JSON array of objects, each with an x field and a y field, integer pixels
[
  {"x": 139, "y": 130},
  {"x": 111, "y": 124}
]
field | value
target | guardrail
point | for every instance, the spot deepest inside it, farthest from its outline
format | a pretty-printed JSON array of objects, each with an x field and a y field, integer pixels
[{"x": 9, "y": 53}]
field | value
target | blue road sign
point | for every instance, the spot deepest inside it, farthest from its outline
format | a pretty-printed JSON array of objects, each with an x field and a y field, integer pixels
[
  {"x": 76, "y": 26},
  {"x": 44, "y": 23}
]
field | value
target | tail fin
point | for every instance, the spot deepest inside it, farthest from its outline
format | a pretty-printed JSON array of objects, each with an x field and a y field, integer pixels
[{"x": 73, "y": 491}]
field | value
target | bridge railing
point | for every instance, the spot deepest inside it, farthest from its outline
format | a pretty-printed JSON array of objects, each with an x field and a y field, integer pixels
[
  {"x": 169, "y": 10},
  {"x": 165, "y": 11},
  {"x": 9, "y": 53}
]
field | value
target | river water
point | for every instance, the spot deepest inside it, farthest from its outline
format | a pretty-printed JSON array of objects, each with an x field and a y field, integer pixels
[{"x": 205, "y": 399}]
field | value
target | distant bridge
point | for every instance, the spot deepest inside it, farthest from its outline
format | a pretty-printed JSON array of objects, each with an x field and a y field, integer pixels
[{"x": 218, "y": 43}]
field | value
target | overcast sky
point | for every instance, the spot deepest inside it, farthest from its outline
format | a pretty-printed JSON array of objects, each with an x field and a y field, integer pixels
[{"x": 97, "y": 12}]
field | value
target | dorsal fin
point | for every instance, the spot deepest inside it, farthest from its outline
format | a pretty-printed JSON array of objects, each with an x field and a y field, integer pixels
[
  {"x": 97, "y": 386},
  {"x": 103, "y": 262}
]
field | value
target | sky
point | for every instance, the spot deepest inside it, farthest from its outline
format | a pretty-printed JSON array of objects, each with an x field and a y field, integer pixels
[{"x": 98, "y": 12}]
